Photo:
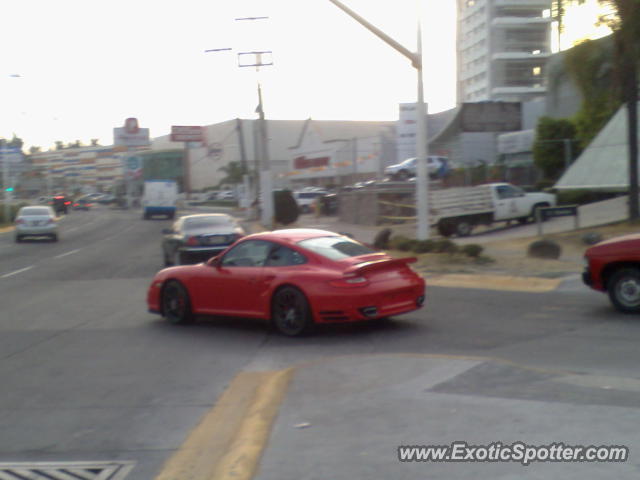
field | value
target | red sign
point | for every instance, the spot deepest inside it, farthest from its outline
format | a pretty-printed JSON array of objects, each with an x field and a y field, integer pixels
[
  {"x": 186, "y": 134},
  {"x": 302, "y": 162}
]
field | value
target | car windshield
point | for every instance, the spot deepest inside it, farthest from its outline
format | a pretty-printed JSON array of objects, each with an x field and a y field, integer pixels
[
  {"x": 34, "y": 211},
  {"x": 335, "y": 248},
  {"x": 206, "y": 222}
]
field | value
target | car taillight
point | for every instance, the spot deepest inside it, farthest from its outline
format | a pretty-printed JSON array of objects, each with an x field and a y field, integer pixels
[
  {"x": 51, "y": 220},
  {"x": 350, "y": 280},
  {"x": 67, "y": 203},
  {"x": 19, "y": 221},
  {"x": 193, "y": 241}
]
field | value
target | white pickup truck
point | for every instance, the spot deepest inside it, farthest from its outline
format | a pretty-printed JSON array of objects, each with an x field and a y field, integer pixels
[{"x": 458, "y": 210}]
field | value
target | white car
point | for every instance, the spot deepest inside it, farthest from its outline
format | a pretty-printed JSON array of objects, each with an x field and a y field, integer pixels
[
  {"x": 406, "y": 169},
  {"x": 36, "y": 221},
  {"x": 307, "y": 199}
]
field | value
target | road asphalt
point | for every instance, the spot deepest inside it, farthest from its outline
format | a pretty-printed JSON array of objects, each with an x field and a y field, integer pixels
[{"x": 347, "y": 417}]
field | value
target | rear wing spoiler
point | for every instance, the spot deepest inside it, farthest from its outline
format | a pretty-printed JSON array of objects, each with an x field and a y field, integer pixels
[{"x": 374, "y": 265}]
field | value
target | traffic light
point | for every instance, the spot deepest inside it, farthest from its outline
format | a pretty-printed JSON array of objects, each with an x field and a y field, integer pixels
[{"x": 8, "y": 189}]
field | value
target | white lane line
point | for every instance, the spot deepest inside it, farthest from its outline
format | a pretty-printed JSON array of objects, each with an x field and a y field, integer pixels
[
  {"x": 15, "y": 272},
  {"x": 68, "y": 253}
]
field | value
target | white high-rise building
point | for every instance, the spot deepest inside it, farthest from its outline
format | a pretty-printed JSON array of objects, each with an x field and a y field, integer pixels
[{"x": 503, "y": 47}]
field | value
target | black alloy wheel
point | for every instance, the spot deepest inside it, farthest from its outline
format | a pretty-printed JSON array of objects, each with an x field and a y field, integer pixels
[
  {"x": 176, "y": 305},
  {"x": 290, "y": 312}
]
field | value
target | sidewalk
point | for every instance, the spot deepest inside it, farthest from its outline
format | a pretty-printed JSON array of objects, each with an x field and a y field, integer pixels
[{"x": 344, "y": 418}]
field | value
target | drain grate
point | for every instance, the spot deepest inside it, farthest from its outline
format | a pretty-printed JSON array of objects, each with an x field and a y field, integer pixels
[{"x": 65, "y": 470}]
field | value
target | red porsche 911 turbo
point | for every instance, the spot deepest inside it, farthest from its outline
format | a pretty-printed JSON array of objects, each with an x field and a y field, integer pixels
[{"x": 295, "y": 278}]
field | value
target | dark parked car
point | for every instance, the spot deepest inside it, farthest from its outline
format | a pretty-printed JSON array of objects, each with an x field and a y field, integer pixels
[
  {"x": 329, "y": 204},
  {"x": 82, "y": 203},
  {"x": 60, "y": 204},
  {"x": 107, "y": 199},
  {"x": 196, "y": 238}
]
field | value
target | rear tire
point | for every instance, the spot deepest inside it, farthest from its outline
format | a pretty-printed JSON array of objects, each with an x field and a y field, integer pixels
[
  {"x": 290, "y": 312},
  {"x": 176, "y": 305},
  {"x": 624, "y": 290},
  {"x": 464, "y": 228},
  {"x": 18, "y": 238},
  {"x": 446, "y": 229},
  {"x": 54, "y": 237}
]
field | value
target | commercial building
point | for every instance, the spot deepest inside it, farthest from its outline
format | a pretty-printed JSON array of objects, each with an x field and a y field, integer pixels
[
  {"x": 503, "y": 47},
  {"x": 92, "y": 168}
]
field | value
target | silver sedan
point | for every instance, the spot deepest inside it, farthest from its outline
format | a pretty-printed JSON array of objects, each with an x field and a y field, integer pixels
[{"x": 36, "y": 221}]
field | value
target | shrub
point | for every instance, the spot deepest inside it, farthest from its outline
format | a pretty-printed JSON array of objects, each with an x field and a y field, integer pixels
[
  {"x": 445, "y": 245},
  {"x": 424, "y": 246},
  {"x": 472, "y": 250},
  {"x": 13, "y": 211},
  {"x": 402, "y": 243},
  {"x": 544, "y": 248},
  {"x": 285, "y": 207},
  {"x": 381, "y": 242}
]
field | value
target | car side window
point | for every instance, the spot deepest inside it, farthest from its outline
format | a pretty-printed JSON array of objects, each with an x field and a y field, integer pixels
[
  {"x": 505, "y": 192},
  {"x": 251, "y": 253},
  {"x": 280, "y": 256}
]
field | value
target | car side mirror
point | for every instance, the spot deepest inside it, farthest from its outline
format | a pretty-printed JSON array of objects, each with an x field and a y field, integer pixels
[
  {"x": 214, "y": 261},
  {"x": 167, "y": 231}
]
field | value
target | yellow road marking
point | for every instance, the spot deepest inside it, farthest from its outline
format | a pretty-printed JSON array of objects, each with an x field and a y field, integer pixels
[
  {"x": 229, "y": 440},
  {"x": 495, "y": 282}
]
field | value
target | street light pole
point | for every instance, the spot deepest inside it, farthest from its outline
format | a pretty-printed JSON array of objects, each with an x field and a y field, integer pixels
[
  {"x": 422, "y": 152},
  {"x": 422, "y": 192}
]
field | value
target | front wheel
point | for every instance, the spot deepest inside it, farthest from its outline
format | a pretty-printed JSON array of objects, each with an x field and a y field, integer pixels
[
  {"x": 290, "y": 312},
  {"x": 176, "y": 305},
  {"x": 624, "y": 290},
  {"x": 536, "y": 208}
]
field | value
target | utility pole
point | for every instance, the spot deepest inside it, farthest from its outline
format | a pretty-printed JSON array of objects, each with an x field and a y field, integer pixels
[
  {"x": 422, "y": 149},
  {"x": 264, "y": 188}
]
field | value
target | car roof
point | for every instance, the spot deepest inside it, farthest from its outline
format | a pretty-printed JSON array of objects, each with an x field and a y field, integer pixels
[
  {"x": 293, "y": 235},
  {"x": 201, "y": 215}
]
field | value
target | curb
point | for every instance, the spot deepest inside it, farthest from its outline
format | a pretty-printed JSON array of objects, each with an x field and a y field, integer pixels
[{"x": 494, "y": 282}]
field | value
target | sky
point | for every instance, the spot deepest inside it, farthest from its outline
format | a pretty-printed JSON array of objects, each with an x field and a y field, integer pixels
[{"x": 75, "y": 69}]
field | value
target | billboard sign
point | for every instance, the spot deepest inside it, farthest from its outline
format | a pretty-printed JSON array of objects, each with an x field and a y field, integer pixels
[
  {"x": 133, "y": 166},
  {"x": 131, "y": 135},
  {"x": 181, "y": 133}
]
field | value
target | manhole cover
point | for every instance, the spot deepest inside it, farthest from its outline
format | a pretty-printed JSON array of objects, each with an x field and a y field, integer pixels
[{"x": 65, "y": 470}]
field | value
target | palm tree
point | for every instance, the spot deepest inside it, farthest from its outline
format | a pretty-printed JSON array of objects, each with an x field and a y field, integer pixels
[{"x": 234, "y": 171}]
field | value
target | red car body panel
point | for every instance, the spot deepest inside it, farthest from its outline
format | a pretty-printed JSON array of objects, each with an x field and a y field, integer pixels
[
  {"x": 390, "y": 285},
  {"x": 607, "y": 255}
]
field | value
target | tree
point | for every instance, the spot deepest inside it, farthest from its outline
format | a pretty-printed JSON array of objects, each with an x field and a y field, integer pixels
[
  {"x": 234, "y": 171},
  {"x": 624, "y": 21},
  {"x": 590, "y": 65},
  {"x": 554, "y": 137},
  {"x": 34, "y": 149},
  {"x": 59, "y": 145},
  {"x": 95, "y": 142}
]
